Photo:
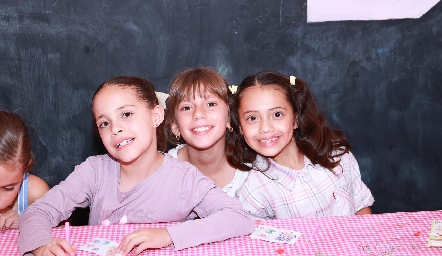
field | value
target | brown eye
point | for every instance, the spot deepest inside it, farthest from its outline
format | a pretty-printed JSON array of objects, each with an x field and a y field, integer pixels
[
  {"x": 103, "y": 124},
  {"x": 127, "y": 114},
  {"x": 278, "y": 114},
  {"x": 252, "y": 118}
]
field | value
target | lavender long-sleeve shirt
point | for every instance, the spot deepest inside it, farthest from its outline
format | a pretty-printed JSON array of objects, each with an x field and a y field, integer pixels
[{"x": 169, "y": 194}]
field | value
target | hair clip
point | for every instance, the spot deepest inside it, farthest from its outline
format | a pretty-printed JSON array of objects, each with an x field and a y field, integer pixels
[
  {"x": 292, "y": 80},
  {"x": 162, "y": 98},
  {"x": 233, "y": 88}
]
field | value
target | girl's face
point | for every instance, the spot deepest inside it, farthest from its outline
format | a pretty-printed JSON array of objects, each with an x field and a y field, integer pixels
[
  {"x": 201, "y": 121},
  {"x": 267, "y": 120},
  {"x": 10, "y": 181},
  {"x": 126, "y": 125}
]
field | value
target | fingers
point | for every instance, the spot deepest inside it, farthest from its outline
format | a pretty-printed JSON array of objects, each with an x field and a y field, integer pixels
[
  {"x": 128, "y": 243},
  {"x": 141, "y": 247},
  {"x": 143, "y": 239},
  {"x": 141, "y": 235},
  {"x": 57, "y": 247},
  {"x": 8, "y": 219},
  {"x": 136, "y": 242}
]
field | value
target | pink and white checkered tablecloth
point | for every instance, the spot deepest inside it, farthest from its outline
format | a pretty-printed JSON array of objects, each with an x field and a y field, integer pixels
[{"x": 403, "y": 233}]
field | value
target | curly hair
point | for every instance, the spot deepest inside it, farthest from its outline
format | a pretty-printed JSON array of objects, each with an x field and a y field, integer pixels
[{"x": 314, "y": 137}]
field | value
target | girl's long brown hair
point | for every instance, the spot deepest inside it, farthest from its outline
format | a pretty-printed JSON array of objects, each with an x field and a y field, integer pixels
[{"x": 314, "y": 137}]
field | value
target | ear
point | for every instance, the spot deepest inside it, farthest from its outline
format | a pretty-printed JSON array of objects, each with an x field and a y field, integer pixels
[
  {"x": 240, "y": 131},
  {"x": 175, "y": 129},
  {"x": 157, "y": 115}
]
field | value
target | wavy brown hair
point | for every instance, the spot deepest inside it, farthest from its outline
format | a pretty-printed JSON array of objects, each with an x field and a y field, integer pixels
[
  {"x": 15, "y": 144},
  {"x": 314, "y": 137},
  {"x": 191, "y": 83},
  {"x": 145, "y": 92}
]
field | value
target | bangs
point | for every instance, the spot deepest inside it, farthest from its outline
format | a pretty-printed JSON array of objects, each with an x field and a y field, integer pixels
[{"x": 193, "y": 86}]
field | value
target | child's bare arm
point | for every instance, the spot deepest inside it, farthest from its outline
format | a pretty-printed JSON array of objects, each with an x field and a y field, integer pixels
[{"x": 365, "y": 210}]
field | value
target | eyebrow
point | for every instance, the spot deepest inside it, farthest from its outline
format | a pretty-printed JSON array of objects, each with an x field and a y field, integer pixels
[
  {"x": 253, "y": 111},
  {"x": 119, "y": 108}
]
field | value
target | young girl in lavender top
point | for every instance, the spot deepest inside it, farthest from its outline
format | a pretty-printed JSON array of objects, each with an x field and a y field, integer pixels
[
  {"x": 301, "y": 167},
  {"x": 134, "y": 183}
]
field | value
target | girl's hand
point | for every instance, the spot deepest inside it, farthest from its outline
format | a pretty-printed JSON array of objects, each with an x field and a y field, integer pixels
[
  {"x": 145, "y": 238},
  {"x": 57, "y": 246},
  {"x": 8, "y": 219}
]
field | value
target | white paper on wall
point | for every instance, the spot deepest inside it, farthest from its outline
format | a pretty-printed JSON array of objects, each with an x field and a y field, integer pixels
[{"x": 337, "y": 10}]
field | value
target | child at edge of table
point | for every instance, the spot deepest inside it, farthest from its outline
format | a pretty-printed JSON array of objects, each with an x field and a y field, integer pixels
[
  {"x": 134, "y": 183},
  {"x": 18, "y": 188},
  {"x": 301, "y": 166},
  {"x": 198, "y": 122}
]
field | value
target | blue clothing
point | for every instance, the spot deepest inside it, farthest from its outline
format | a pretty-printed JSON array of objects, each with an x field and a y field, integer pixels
[{"x": 22, "y": 200}]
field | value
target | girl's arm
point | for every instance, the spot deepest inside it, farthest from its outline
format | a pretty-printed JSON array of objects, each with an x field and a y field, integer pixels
[
  {"x": 365, "y": 210},
  {"x": 56, "y": 205},
  {"x": 222, "y": 217},
  {"x": 145, "y": 238},
  {"x": 362, "y": 196},
  {"x": 36, "y": 188}
]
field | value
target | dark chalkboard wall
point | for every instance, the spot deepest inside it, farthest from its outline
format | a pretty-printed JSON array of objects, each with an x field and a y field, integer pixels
[{"x": 378, "y": 81}]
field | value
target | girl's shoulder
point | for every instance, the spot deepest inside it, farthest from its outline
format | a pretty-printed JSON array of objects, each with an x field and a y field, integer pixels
[
  {"x": 172, "y": 163},
  {"x": 99, "y": 161},
  {"x": 347, "y": 163},
  {"x": 174, "y": 151},
  {"x": 175, "y": 170},
  {"x": 347, "y": 158},
  {"x": 37, "y": 187},
  {"x": 96, "y": 168}
]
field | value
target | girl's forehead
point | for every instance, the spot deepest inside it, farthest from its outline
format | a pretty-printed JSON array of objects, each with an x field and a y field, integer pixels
[
  {"x": 115, "y": 92},
  {"x": 263, "y": 97},
  {"x": 263, "y": 89},
  {"x": 112, "y": 97},
  {"x": 192, "y": 95},
  {"x": 11, "y": 170}
]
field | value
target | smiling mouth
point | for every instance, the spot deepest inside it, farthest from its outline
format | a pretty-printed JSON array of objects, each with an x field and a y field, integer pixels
[
  {"x": 268, "y": 140},
  {"x": 201, "y": 129},
  {"x": 124, "y": 143}
]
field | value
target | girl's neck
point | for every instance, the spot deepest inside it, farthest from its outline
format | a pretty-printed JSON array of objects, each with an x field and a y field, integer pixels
[
  {"x": 291, "y": 157},
  {"x": 131, "y": 174},
  {"x": 211, "y": 162}
]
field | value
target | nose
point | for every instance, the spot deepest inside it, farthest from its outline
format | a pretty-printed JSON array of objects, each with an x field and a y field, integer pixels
[
  {"x": 199, "y": 112},
  {"x": 266, "y": 126},
  {"x": 116, "y": 128}
]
